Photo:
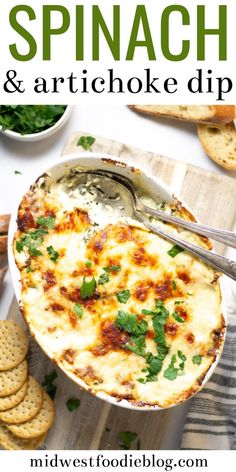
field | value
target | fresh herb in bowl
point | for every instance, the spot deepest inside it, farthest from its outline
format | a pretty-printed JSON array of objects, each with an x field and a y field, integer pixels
[{"x": 29, "y": 119}]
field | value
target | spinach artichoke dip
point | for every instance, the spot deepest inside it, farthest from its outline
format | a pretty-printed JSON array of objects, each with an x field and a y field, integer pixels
[{"x": 121, "y": 310}]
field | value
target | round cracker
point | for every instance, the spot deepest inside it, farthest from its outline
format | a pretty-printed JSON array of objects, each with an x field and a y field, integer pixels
[
  {"x": 10, "y": 442},
  {"x": 14, "y": 344},
  {"x": 28, "y": 408},
  {"x": 12, "y": 400},
  {"x": 39, "y": 424},
  {"x": 12, "y": 380}
]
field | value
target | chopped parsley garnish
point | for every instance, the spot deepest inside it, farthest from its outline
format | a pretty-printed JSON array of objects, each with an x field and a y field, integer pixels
[
  {"x": 112, "y": 268},
  {"x": 103, "y": 278},
  {"x": 147, "y": 312},
  {"x": 49, "y": 385},
  {"x": 182, "y": 356},
  {"x": 72, "y": 404},
  {"x": 160, "y": 315},
  {"x": 19, "y": 246},
  {"x": 78, "y": 310},
  {"x": 86, "y": 142},
  {"x": 115, "y": 268},
  {"x": 38, "y": 233},
  {"x": 31, "y": 240},
  {"x": 17, "y": 172},
  {"x": 52, "y": 253},
  {"x": 87, "y": 289},
  {"x": 88, "y": 263},
  {"x": 174, "y": 286},
  {"x": 178, "y": 302},
  {"x": 127, "y": 437},
  {"x": 129, "y": 323},
  {"x": 197, "y": 359},
  {"x": 46, "y": 222},
  {"x": 123, "y": 296},
  {"x": 136, "y": 345},
  {"x": 155, "y": 363},
  {"x": 138, "y": 329},
  {"x": 171, "y": 372},
  {"x": 29, "y": 269},
  {"x": 178, "y": 318},
  {"x": 30, "y": 119},
  {"x": 34, "y": 252},
  {"x": 175, "y": 250}
]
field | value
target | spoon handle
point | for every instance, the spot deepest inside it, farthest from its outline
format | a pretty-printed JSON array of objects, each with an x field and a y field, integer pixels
[
  {"x": 221, "y": 263},
  {"x": 226, "y": 237}
]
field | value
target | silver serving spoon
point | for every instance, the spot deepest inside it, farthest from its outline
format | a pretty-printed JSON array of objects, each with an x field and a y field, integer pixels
[
  {"x": 123, "y": 196},
  {"x": 223, "y": 236}
]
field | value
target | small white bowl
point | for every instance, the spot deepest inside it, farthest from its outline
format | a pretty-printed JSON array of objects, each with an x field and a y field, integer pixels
[{"x": 42, "y": 134}]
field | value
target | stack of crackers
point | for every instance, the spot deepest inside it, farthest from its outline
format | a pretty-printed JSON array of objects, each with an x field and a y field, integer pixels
[{"x": 26, "y": 410}]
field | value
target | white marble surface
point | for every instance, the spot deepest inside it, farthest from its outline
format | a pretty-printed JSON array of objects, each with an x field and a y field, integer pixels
[{"x": 171, "y": 138}]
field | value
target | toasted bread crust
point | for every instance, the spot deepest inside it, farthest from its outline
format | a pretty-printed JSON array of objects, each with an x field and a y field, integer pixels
[
  {"x": 223, "y": 113},
  {"x": 4, "y": 223},
  {"x": 3, "y": 244},
  {"x": 220, "y": 114},
  {"x": 219, "y": 144}
]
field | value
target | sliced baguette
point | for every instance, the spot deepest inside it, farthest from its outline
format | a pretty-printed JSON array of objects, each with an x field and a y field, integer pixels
[
  {"x": 4, "y": 223},
  {"x": 217, "y": 114},
  {"x": 3, "y": 243},
  {"x": 219, "y": 144}
]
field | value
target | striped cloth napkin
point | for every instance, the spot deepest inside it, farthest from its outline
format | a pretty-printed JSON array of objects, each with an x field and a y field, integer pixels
[{"x": 211, "y": 419}]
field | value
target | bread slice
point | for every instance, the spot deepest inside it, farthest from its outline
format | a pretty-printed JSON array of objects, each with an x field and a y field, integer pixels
[
  {"x": 3, "y": 243},
  {"x": 219, "y": 144},
  {"x": 4, "y": 223},
  {"x": 217, "y": 114}
]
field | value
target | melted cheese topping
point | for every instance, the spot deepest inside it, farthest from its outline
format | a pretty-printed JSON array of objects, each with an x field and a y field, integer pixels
[{"x": 91, "y": 346}]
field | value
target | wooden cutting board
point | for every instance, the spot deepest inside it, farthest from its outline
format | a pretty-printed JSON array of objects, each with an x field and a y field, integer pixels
[{"x": 96, "y": 424}]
